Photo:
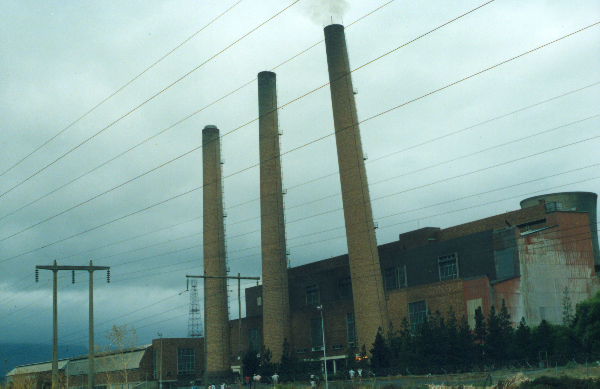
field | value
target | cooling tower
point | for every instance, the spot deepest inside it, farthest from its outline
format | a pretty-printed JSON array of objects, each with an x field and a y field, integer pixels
[
  {"x": 574, "y": 201},
  {"x": 218, "y": 349},
  {"x": 369, "y": 301},
  {"x": 276, "y": 305}
]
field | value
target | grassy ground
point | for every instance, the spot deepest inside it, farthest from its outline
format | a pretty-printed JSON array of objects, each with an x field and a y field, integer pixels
[{"x": 474, "y": 380}]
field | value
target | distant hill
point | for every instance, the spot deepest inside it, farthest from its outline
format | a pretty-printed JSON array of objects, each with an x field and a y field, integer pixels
[{"x": 16, "y": 354}]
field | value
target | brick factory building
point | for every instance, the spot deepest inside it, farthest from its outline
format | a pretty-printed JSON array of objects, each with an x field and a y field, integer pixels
[{"x": 526, "y": 257}]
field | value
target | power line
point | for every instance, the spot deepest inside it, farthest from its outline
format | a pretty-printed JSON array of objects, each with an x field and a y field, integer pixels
[
  {"x": 117, "y": 91},
  {"x": 168, "y": 128},
  {"x": 151, "y": 98}
]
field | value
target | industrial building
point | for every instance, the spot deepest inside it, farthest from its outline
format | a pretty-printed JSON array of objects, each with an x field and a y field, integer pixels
[
  {"x": 166, "y": 363},
  {"x": 526, "y": 257}
]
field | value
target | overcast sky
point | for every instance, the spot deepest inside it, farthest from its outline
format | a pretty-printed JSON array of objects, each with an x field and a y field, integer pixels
[{"x": 471, "y": 150}]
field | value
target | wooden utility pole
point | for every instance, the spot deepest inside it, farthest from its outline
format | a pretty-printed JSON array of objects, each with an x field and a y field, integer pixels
[
  {"x": 239, "y": 278},
  {"x": 55, "y": 269}
]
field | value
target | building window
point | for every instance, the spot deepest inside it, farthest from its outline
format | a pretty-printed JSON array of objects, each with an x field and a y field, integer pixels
[
  {"x": 155, "y": 366},
  {"x": 253, "y": 339},
  {"x": 390, "y": 278},
  {"x": 394, "y": 278},
  {"x": 345, "y": 288},
  {"x": 553, "y": 207},
  {"x": 312, "y": 295},
  {"x": 448, "y": 267},
  {"x": 316, "y": 332},
  {"x": 402, "y": 276},
  {"x": 350, "y": 329},
  {"x": 186, "y": 361},
  {"x": 417, "y": 312}
]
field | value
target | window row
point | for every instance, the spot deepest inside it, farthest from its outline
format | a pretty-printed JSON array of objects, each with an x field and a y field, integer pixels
[
  {"x": 396, "y": 277},
  {"x": 393, "y": 278},
  {"x": 344, "y": 289}
]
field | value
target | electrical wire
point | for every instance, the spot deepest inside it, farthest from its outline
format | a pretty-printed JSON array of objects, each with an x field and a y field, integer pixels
[{"x": 117, "y": 91}]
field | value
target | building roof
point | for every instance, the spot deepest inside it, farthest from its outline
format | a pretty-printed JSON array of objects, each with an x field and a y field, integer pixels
[
  {"x": 113, "y": 360},
  {"x": 39, "y": 367}
]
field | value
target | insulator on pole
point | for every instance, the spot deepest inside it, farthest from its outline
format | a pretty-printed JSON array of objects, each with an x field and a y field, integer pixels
[
  {"x": 108, "y": 276},
  {"x": 37, "y": 275},
  {"x": 187, "y": 286},
  {"x": 73, "y": 277}
]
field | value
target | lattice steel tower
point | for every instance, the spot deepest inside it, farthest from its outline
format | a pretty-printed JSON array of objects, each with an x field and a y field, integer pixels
[{"x": 195, "y": 329}]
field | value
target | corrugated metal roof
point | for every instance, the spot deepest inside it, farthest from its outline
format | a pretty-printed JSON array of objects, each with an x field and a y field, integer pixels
[
  {"x": 113, "y": 361},
  {"x": 37, "y": 367}
]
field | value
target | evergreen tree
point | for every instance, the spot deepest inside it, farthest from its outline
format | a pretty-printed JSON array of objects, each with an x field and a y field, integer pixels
[
  {"x": 587, "y": 325},
  {"x": 424, "y": 348},
  {"x": 380, "y": 353},
  {"x": 351, "y": 363},
  {"x": 394, "y": 344},
  {"x": 251, "y": 363},
  {"x": 493, "y": 338},
  {"x": 522, "y": 340},
  {"x": 480, "y": 333},
  {"x": 406, "y": 355},
  {"x": 465, "y": 346},
  {"x": 567, "y": 319},
  {"x": 542, "y": 341},
  {"x": 290, "y": 363},
  {"x": 439, "y": 335},
  {"x": 267, "y": 367},
  {"x": 452, "y": 338},
  {"x": 507, "y": 334}
]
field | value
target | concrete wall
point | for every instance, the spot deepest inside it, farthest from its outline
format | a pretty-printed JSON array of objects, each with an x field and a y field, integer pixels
[{"x": 552, "y": 259}]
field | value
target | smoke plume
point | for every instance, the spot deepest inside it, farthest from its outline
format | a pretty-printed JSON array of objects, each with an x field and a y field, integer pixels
[{"x": 324, "y": 12}]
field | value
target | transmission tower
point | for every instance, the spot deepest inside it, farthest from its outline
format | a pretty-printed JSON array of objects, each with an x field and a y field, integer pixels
[{"x": 195, "y": 319}]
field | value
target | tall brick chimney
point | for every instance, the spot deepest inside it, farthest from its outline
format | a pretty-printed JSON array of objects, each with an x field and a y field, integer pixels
[
  {"x": 276, "y": 305},
  {"x": 218, "y": 349},
  {"x": 370, "y": 307}
]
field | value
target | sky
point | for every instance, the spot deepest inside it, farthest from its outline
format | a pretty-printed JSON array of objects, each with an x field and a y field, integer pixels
[{"x": 466, "y": 109}]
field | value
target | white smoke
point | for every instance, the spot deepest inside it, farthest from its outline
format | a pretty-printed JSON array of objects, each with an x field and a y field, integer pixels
[{"x": 325, "y": 12}]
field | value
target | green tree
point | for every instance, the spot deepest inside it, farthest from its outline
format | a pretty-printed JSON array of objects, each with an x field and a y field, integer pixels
[
  {"x": 290, "y": 363},
  {"x": 267, "y": 367},
  {"x": 479, "y": 335},
  {"x": 380, "y": 353},
  {"x": 567, "y": 318},
  {"x": 522, "y": 340},
  {"x": 465, "y": 346},
  {"x": 587, "y": 325},
  {"x": 452, "y": 338},
  {"x": 424, "y": 347},
  {"x": 406, "y": 340},
  {"x": 542, "y": 341},
  {"x": 507, "y": 333},
  {"x": 493, "y": 338},
  {"x": 251, "y": 363},
  {"x": 439, "y": 335}
]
